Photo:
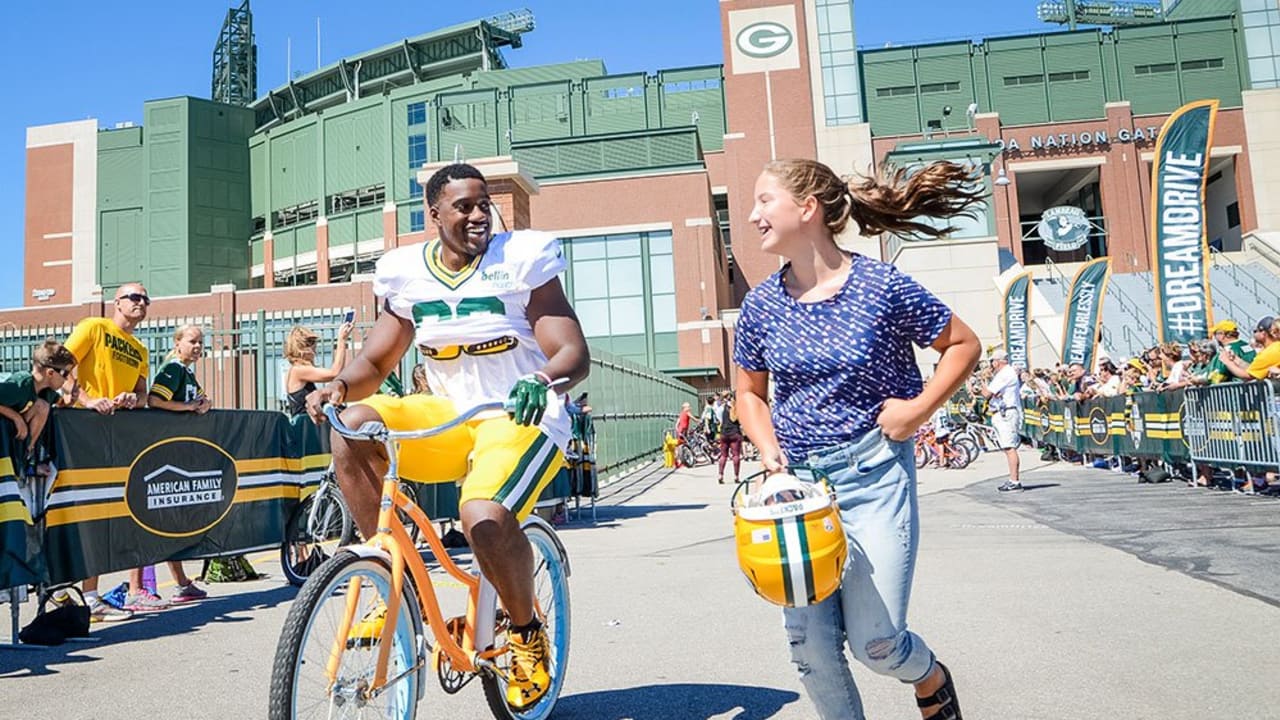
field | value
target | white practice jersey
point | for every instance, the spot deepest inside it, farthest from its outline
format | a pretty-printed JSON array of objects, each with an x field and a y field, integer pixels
[{"x": 472, "y": 325}]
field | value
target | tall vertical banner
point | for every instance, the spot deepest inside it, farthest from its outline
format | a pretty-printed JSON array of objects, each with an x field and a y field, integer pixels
[
  {"x": 1017, "y": 321},
  {"x": 1179, "y": 246},
  {"x": 1084, "y": 312}
]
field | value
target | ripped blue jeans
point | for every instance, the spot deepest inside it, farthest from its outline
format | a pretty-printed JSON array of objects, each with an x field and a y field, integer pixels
[{"x": 874, "y": 479}]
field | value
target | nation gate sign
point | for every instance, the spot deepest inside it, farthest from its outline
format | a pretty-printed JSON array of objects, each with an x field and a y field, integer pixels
[{"x": 1179, "y": 247}]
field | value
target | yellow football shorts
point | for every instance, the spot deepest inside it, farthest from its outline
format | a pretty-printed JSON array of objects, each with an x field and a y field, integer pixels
[{"x": 500, "y": 460}]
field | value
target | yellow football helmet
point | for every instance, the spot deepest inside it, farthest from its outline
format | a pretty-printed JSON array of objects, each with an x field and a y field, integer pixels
[{"x": 790, "y": 543}]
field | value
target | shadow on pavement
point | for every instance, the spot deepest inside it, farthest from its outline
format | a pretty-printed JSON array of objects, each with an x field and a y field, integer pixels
[
  {"x": 144, "y": 626},
  {"x": 656, "y": 702},
  {"x": 1040, "y": 486}
]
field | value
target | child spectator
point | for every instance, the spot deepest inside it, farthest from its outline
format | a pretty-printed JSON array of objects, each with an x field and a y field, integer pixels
[
  {"x": 175, "y": 387},
  {"x": 26, "y": 397}
]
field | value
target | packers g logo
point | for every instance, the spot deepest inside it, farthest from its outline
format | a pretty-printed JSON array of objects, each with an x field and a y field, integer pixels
[{"x": 764, "y": 39}]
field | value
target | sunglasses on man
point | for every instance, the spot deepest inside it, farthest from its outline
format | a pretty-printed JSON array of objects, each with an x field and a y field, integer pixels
[
  {"x": 63, "y": 372},
  {"x": 136, "y": 297}
]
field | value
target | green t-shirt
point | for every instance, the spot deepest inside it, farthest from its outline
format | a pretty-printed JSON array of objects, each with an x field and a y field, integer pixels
[
  {"x": 176, "y": 382},
  {"x": 18, "y": 392},
  {"x": 1218, "y": 372}
]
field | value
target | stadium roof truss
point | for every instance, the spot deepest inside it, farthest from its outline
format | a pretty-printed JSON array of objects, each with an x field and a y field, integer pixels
[{"x": 458, "y": 49}]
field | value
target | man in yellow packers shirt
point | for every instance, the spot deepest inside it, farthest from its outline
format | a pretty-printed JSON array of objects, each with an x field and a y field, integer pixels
[{"x": 111, "y": 375}]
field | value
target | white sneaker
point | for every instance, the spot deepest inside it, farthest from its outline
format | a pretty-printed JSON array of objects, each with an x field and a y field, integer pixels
[{"x": 100, "y": 611}]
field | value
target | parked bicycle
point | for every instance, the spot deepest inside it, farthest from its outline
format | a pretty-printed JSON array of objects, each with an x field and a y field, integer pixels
[
  {"x": 952, "y": 452},
  {"x": 696, "y": 448},
  {"x": 368, "y": 626}
]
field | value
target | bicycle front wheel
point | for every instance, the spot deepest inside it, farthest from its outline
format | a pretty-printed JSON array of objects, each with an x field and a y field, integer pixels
[
  {"x": 301, "y": 687},
  {"x": 311, "y": 536},
  {"x": 551, "y": 602}
]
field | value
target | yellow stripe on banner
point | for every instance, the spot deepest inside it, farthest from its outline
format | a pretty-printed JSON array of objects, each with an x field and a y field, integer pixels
[
  {"x": 6, "y": 467},
  {"x": 302, "y": 464},
  {"x": 69, "y": 515},
  {"x": 15, "y": 510},
  {"x": 1166, "y": 434},
  {"x": 1163, "y": 417},
  {"x": 90, "y": 476}
]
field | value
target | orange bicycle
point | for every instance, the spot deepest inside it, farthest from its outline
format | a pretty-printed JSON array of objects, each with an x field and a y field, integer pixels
[{"x": 363, "y": 633}]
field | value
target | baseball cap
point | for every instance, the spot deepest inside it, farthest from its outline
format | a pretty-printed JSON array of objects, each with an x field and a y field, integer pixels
[
  {"x": 1265, "y": 324},
  {"x": 1224, "y": 326},
  {"x": 999, "y": 355}
]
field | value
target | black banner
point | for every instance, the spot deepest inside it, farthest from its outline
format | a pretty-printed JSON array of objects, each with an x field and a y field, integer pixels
[{"x": 135, "y": 488}]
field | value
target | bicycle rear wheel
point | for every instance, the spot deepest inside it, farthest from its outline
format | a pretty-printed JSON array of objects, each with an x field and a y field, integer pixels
[
  {"x": 300, "y": 686},
  {"x": 551, "y": 594},
  {"x": 969, "y": 447},
  {"x": 310, "y": 538},
  {"x": 922, "y": 454}
]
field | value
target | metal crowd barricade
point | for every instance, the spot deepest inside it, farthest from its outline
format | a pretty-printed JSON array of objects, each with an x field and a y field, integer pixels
[{"x": 1233, "y": 425}]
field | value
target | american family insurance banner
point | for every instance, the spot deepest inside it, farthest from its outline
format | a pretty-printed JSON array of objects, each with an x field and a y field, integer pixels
[
  {"x": 1178, "y": 242},
  {"x": 1084, "y": 312},
  {"x": 138, "y": 487},
  {"x": 1017, "y": 321}
]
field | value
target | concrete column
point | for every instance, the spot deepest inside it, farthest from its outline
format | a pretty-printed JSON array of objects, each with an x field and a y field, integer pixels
[
  {"x": 1125, "y": 196},
  {"x": 268, "y": 260},
  {"x": 390, "y": 227},
  {"x": 322, "y": 251}
]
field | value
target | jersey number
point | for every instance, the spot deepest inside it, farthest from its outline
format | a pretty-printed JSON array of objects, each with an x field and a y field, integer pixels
[{"x": 440, "y": 311}]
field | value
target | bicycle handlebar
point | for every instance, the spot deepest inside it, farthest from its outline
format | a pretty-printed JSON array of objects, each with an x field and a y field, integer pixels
[{"x": 374, "y": 430}]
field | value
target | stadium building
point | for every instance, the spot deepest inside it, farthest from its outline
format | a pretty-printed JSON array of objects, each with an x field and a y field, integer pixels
[{"x": 648, "y": 177}]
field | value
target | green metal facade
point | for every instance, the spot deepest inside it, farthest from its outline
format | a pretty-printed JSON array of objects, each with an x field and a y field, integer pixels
[
  {"x": 559, "y": 121},
  {"x": 173, "y": 198},
  {"x": 1054, "y": 77}
]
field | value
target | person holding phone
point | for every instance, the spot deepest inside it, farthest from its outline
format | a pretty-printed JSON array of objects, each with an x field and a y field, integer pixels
[{"x": 300, "y": 351}]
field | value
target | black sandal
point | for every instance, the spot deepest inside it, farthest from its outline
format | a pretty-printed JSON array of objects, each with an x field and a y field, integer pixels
[{"x": 945, "y": 697}]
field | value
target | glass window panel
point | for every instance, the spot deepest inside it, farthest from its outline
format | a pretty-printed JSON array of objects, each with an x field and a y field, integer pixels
[
  {"x": 1275, "y": 39},
  {"x": 1262, "y": 70},
  {"x": 626, "y": 316},
  {"x": 1257, "y": 41},
  {"x": 662, "y": 274},
  {"x": 843, "y": 41},
  {"x": 847, "y": 106},
  {"x": 664, "y": 313},
  {"x": 846, "y": 82},
  {"x": 624, "y": 246},
  {"x": 594, "y": 316},
  {"x": 839, "y": 20},
  {"x": 626, "y": 277},
  {"x": 659, "y": 243},
  {"x": 824, "y": 43},
  {"x": 590, "y": 279},
  {"x": 587, "y": 248},
  {"x": 1251, "y": 5},
  {"x": 848, "y": 57}
]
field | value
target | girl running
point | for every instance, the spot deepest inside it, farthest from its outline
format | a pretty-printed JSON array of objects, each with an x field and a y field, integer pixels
[{"x": 834, "y": 331}]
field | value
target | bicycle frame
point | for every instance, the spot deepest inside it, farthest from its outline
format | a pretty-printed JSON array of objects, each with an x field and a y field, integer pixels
[{"x": 393, "y": 539}]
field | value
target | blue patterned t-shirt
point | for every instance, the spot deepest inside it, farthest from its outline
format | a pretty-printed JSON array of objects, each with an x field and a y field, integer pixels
[{"x": 835, "y": 362}]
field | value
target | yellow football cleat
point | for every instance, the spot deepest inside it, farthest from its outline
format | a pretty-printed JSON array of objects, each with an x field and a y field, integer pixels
[
  {"x": 368, "y": 632},
  {"x": 530, "y": 677}
]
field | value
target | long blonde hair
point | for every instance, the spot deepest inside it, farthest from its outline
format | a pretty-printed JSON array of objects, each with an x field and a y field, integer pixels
[
  {"x": 889, "y": 202},
  {"x": 300, "y": 339}
]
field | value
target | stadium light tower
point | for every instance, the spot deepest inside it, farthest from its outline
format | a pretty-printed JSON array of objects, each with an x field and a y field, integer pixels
[
  {"x": 235, "y": 59},
  {"x": 1099, "y": 12}
]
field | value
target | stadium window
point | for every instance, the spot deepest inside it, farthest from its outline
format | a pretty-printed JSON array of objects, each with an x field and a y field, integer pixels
[
  {"x": 1209, "y": 64},
  {"x": 1017, "y": 80},
  {"x": 1155, "y": 69},
  {"x": 930, "y": 88},
  {"x": 1072, "y": 76},
  {"x": 1233, "y": 215},
  {"x": 896, "y": 91},
  {"x": 415, "y": 189},
  {"x": 417, "y": 220},
  {"x": 417, "y": 151},
  {"x": 417, "y": 113}
]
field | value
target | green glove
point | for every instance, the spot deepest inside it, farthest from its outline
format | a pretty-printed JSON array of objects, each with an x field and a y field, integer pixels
[{"x": 527, "y": 400}]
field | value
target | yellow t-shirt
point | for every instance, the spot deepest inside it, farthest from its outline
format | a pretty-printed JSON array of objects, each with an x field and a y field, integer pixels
[
  {"x": 1266, "y": 359},
  {"x": 109, "y": 361}
]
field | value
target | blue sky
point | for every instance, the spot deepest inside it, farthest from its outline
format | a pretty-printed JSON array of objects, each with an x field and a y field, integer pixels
[{"x": 74, "y": 60}]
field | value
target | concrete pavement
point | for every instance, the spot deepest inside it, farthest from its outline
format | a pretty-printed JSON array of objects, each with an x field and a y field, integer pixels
[{"x": 1088, "y": 597}]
